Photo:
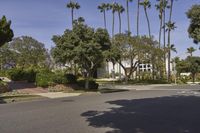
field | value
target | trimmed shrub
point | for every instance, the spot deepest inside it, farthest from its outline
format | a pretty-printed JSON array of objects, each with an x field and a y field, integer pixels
[
  {"x": 92, "y": 84},
  {"x": 72, "y": 79}
]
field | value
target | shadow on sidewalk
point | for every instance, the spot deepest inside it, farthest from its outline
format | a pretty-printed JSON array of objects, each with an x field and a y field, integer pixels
[{"x": 175, "y": 114}]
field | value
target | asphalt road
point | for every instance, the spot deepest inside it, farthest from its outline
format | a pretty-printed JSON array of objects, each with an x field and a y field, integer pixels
[{"x": 145, "y": 111}]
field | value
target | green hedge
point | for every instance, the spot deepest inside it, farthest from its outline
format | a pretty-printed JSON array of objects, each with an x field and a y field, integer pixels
[{"x": 22, "y": 75}]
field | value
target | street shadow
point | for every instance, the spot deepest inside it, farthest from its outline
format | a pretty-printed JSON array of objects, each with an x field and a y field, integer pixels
[{"x": 175, "y": 114}]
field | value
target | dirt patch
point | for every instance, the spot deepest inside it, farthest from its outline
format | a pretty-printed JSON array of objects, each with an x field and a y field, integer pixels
[{"x": 24, "y": 87}]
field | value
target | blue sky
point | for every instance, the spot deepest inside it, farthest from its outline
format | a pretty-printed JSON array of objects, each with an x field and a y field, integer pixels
[{"x": 42, "y": 19}]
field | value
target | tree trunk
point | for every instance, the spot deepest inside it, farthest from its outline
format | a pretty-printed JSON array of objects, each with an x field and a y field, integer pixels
[
  {"x": 161, "y": 25},
  {"x": 164, "y": 39},
  {"x": 138, "y": 15},
  {"x": 169, "y": 42},
  {"x": 113, "y": 25},
  {"x": 128, "y": 18},
  {"x": 148, "y": 22},
  {"x": 72, "y": 12},
  {"x": 87, "y": 81},
  {"x": 193, "y": 78},
  {"x": 104, "y": 14},
  {"x": 169, "y": 58},
  {"x": 120, "y": 23},
  {"x": 113, "y": 71}
]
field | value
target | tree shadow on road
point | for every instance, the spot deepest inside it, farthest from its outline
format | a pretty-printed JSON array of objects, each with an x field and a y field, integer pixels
[{"x": 175, "y": 114}]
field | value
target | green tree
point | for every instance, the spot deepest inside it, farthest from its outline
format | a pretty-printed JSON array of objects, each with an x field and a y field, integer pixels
[
  {"x": 147, "y": 4},
  {"x": 73, "y": 6},
  {"x": 84, "y": 46},
  {"x": 6, "y": 57},
  {"x": 28, "y": 52},
  {"x": 194, "y": 66},
  {"x": 191, "y": 50},
  {"x": 103, "y": 8},
  {"x": 194, "y": 29},
  {"x": 6, "y": 33}
]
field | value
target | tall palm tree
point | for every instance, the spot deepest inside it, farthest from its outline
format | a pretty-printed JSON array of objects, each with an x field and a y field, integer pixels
[
  {"x": 113, "y": 7},
  {"x": 73, "y": 5},
  {"x": 165, "y": 6},
  {"x": 120, "y": 9},
  {"x": 128, "y": 17},
  {"x": 169, "y": 27},
  {"x": 191, "y": 50},
  {"x": 138, "y": 16},
  {"x": 103, "y": 8},
  {"x": 147, "y": 4}
]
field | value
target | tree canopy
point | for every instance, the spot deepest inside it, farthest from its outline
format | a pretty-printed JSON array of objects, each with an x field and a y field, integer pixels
[
  {"x": 25, "y": 52},
  {"x": 6, "y": 33},
  {"x": 82, "y": 45},
  {"x": 194, "y": 29}
]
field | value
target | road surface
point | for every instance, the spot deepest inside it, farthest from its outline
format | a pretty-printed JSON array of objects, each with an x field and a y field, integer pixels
[{"x": 144, "y": 111}]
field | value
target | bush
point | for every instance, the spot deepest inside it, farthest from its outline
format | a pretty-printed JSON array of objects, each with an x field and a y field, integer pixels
[
  {"x": 59, "y": 79},
  {"x": 30, "y": 75},
  {"x": 44, "y": 79},
  {"x": 16, "y": 74},
  {"x": 72, "y": 79},
  {"x": 22, "y": 75},
  {"x": 184, "y": 79},
  {"x": 3, "y": 87},
  {"x": 92, "y": 84},
  {"x": 3, "y": 73}
]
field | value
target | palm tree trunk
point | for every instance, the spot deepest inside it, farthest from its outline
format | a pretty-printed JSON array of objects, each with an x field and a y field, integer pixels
[
  {"x": 128, "y": 18},
  {"x": 164, "y": 38},
  {"x": 148, "y": 22},
  {"x": 120, "y": 31},
  {"x": 72, "y": 13},
  {"x": 160, "y": 31},
  {"x": 113, "y": 25},
  {"x": 120, "y": 23},
  {"x": 138, "y": 15},
  {"x": 104, "y": 14},
  {"x": 169, "y": 42}
]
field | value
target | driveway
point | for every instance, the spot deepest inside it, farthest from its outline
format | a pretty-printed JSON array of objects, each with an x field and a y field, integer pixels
[{"x": 145, "y": 111}]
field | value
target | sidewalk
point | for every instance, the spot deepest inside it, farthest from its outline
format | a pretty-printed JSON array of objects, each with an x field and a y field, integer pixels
[
  {"x": 152, "y": 87},
  {"x": 58, "y": 94}
]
